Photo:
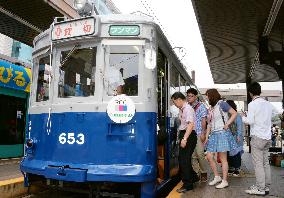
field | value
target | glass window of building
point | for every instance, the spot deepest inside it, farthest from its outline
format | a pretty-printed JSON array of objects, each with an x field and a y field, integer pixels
[
  {"x": 121, "y": 74},
  {"x": 77, "y": 72}
]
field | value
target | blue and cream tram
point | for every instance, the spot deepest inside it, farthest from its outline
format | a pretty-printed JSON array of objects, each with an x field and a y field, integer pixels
[{"x": 81, "y": 129}]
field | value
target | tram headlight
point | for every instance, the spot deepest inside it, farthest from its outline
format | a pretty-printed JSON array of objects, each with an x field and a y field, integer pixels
[
  {"x": 29, "y": 146},
  {"x": 83, "y": 7},
  {"x": 29, "y": 143}
]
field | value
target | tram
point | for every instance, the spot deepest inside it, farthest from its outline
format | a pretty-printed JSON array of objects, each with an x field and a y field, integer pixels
[{"x": 100, "y": 113}]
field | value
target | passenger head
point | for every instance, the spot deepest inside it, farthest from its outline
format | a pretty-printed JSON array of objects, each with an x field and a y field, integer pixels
[
  {"x": 191, "y": 95},
  {"x": 255, "y": 89},
  {"x": 213, "y": 96},
  {"x": 178, "y": 99},
  {"x": 232, "y": 104}
]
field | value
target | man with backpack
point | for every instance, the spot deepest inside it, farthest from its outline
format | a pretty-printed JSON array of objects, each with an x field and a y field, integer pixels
[{"x": 200, "y": 128}]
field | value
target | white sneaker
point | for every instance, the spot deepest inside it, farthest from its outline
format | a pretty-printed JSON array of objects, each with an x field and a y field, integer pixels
[
  {"x": 216, "y": 180},
  {"x": 223, "y": 184},
  {"x": 255, "y": 191}
]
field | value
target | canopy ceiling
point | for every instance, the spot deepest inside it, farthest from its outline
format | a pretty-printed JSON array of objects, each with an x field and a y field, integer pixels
[
  {"x": 230, "y": 31},
  {"x": 23, "y": 20}
]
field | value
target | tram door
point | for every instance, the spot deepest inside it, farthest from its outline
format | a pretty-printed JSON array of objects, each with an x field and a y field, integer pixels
[
  {"x": 162, "y": 76},
  {"x": 12, "y": 126}
]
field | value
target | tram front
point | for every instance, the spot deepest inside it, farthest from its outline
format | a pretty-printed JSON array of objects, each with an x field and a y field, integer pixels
[{"x": 92, "y": 117}]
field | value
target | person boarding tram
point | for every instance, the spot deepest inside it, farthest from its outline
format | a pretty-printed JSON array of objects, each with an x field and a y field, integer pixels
[
  {"x": 200, "y": 129},
  {"x": 187, "y": 142},
  {"x": 220, "y": 140}
]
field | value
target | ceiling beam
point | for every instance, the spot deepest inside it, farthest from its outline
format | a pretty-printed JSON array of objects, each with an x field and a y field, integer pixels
[{"x": 19, "y": 19}]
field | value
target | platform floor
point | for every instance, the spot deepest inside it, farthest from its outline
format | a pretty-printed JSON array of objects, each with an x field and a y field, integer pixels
[
  {"x": 237, "y": 185},
  {"x": 10, "y": 174},
  {"x": 9, "y": 169}
]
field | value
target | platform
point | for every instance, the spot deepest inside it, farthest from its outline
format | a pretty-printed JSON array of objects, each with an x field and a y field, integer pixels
[
  {"x": 11, "y": 178},
  {"x": 237, "y": 185}
]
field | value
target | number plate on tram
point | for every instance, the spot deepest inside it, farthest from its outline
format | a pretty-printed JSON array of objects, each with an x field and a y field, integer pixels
[{"x": 73, "y": 28}]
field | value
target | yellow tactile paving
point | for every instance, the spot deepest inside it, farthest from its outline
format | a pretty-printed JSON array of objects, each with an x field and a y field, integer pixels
[
  {"x": 174, "y": 193},
  {"x": 11, "y": 181}
]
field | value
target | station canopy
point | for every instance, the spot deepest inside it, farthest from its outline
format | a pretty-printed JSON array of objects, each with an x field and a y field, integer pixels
[
  {"x": 22, "y": 20},
  {"x": 232, "y": 31}
]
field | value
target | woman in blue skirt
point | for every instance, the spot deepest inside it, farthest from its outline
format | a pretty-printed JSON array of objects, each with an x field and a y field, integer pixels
[{"x": 219, "y": 139}]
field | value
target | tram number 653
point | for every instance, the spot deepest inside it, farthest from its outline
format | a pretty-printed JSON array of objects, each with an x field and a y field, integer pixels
[{"x": 71, "y": 139}]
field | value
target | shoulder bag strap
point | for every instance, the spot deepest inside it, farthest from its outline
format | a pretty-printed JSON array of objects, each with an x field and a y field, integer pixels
[{"x": 222, "y": 115}]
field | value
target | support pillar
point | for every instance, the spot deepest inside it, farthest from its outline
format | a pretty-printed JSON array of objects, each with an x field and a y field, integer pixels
[
  {"x": 282, "y": 120},
  {"x": 248, "y": 82}
]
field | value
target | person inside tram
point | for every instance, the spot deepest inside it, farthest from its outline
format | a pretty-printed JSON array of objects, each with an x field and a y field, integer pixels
[
  {"x": 114, "y": 81},
  {"x": 40, "y": 86}
]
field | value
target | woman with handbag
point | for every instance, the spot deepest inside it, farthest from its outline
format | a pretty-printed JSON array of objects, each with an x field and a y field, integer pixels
[
  {"x": 220, "y": 140},
  {"x": 237, "y": 130}
]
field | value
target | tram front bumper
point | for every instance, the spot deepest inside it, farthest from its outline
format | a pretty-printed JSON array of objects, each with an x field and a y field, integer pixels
[{"x": 87, "y": 173}]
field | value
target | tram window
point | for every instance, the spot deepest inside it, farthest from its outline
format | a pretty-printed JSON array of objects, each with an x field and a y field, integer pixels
[
  {"x": 187, "y": 86},
  {"x": 182, "y": 85},
  {"x": 174, "y": 82},
  {"x": 44, "y": 69},
  {"x": 121, "y": 75},
  {"x": 77, "y": 72},
  {"x": 174, "y": 87}
]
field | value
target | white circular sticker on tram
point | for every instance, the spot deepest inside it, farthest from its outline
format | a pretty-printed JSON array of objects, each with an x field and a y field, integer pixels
[{"x": 121, "y": 109}]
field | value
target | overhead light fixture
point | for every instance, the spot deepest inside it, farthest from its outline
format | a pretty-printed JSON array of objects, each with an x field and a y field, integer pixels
[{"x": 83, "y": 7}]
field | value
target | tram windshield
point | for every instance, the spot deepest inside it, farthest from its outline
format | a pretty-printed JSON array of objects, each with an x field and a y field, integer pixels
[
  {"x": 77, "y": 72},
  {"x": 121, "y": 74}
]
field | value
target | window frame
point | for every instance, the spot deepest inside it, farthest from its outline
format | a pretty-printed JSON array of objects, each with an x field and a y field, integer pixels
[
  {"x": 35, "y": 79},
  {"x": 75, "y": 99},
  {"x": 141, "y": 44}
]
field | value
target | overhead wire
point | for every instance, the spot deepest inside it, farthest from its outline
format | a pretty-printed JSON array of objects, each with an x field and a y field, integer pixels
[{"x": 151, "y": 12}]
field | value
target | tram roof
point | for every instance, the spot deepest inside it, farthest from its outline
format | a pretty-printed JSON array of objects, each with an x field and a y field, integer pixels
[{"x": 230, "y": 32}]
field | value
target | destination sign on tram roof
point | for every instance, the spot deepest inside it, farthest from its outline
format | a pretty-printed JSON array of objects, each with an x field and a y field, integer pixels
[
  {"x": 124, "y": 30},
  {"x": 74, "y": 28}
]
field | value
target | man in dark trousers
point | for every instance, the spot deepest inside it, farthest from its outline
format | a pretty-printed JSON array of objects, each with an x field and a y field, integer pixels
[{"x": 188, "y": 139}]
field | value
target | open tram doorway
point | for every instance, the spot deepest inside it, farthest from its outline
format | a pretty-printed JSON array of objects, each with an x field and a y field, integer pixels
[
  {"x": 12, "y": 126},
  {"x": 162, "y": 123}
]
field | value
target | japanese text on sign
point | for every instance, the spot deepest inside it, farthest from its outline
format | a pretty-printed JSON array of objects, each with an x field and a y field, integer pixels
[
  {"x": 14, "y": 76},
  {"x": 124, "y": 30},
  {"x": 73, "y": 28}
]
